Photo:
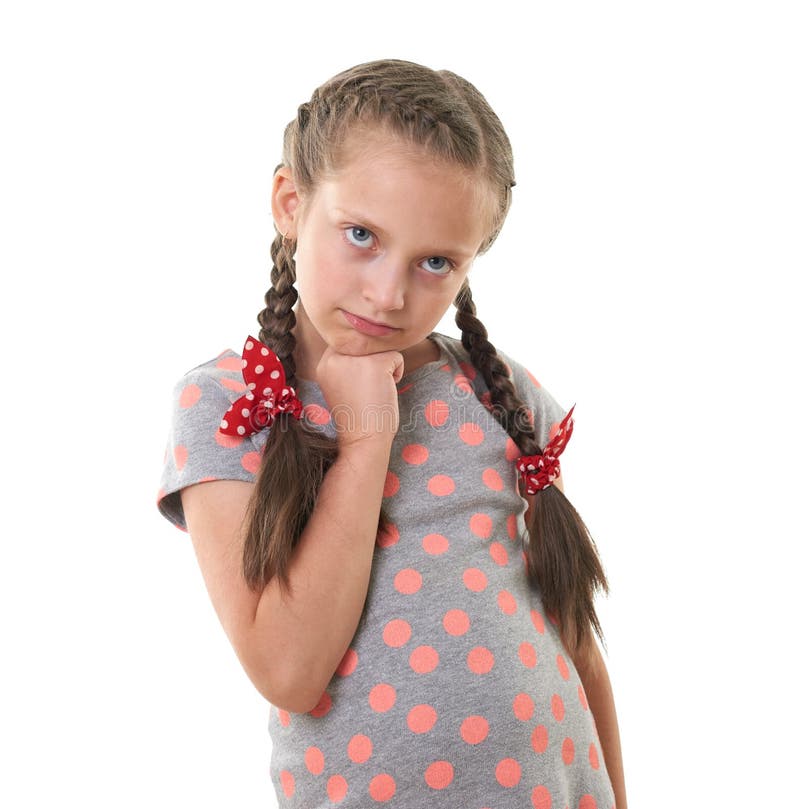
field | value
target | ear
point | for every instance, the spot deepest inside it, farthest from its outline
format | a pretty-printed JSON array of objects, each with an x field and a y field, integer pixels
[{"x": 285, "y": 202}]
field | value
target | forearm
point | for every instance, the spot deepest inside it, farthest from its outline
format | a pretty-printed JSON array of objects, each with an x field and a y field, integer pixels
[
  {"x": 597, "y": 686},
  {"x": 306, "y": 631}
]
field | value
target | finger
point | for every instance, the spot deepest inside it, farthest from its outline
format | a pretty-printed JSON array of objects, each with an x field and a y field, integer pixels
[{"x": 399, "y": 364}]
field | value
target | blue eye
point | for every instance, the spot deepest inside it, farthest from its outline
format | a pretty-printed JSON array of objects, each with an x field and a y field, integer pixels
[
  {"x": 358, "y": 235},
  {"x": 437, "y": 264}
]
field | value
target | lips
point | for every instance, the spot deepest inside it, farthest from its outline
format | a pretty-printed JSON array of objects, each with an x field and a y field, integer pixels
[{"x": 367, "y": 326}]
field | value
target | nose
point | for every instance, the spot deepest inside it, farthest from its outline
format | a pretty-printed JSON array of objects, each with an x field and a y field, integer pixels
[{"x": 384, "y": 284}]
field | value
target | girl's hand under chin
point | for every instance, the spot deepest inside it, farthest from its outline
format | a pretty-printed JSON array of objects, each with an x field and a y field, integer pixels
[{"x": 361, "y": 392}]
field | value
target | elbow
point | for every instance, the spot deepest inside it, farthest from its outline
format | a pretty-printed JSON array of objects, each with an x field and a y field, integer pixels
[{"x": 285, "y": 688}]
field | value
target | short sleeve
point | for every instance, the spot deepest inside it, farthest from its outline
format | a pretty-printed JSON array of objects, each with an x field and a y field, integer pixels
[
  {"x": 546, "y": 411},
  {"x": 196, "y": 451}
]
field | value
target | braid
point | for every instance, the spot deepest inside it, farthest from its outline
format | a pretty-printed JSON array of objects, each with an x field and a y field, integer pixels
[
  {"x": 277, "y": 319},
  {"x": 295, "y": 456},
  {"x": 561, "y": 555},
  {"x": 507, "y": 407}
]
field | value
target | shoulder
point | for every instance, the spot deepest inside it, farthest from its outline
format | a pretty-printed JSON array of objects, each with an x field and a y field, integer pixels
[
  {"x": 219, "y": 375},
  {"x": 545, "y": 410},
  {"x": 455, "y": 351},
  {"x": 195, "y": 450}
]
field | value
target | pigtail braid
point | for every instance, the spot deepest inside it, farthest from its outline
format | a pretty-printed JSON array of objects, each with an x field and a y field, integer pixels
[
  {"x": 562, "y": 556},
  {"x": 295, "y": 456}
]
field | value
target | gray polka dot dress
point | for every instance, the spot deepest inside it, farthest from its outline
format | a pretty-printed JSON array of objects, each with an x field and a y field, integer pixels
[{"x": 456, "y": 690}]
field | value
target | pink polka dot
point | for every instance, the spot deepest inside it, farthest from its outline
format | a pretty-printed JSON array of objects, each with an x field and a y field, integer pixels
[
  {"x": 389, "y": 537},
  {"x": 337, "y": 788},
  {"x": 568, "y": 751},
  {"x": 382, "y": 698},
  {"x": 439, "y": 775},
  {"x": 527, "y": 654},
  {"x": 424, "y": 659},
  {"x": 190, "y": 396},
  {"x": 436, "y": 412},
  {"x": 421, "y": 718},
  {"x": 469, "y": 369},
  {"x": 441, "y": 485},
  {"x": 557, "y": 707},
  {"x": 456, "y": 622},
  {"x": 359, "y": 748},
  {"x": 474, "y": 729},
  {"x": 435, "y": 544},
  {"x": 508, "y": 772},
  {"x": 382, "y": 788},
  {"x": 491, "y": 478},
  {"x": 284, "y": 717},
  {"x": 475, "y": 580},
  {"x": 251, "y": 462},
  {"x": 539, "y": 739},
  {"x": 537, "y": 621},
  {"x": 511, "y": 526},
  {"x": 323, "y": 706},
  {"x": 470, "y": 434},
  {"x": 462, "y": 382},
  {"x": 348, "y": 663},
  {"x": 594, "y": 758},
  {"x": 408, "y": 581},
  {"x": 397, "y": 633},
  {"x": 391, "y": 485},
  {"x": 235, "y": 385},
  {"x": 512, "y": 450},
  {"x": 228, "y": 441},
  {"x": 315, "y": 761},
  {"x": 553, "y": 430},
  {"x": 181, "y": 455},
  {"x": 480, "y": 660},
  {"x": 415, "y": 454},
  {"x": 316, "y": 414},
  {"x": 506, "y": 602},
  {"x": 540, "y": 798},
  {"x": 481, "y": 525},
  {"x": 523, "y": 707},
  {"x": 582, "y": 697},
  {"x": 229, "y": 364},
  {"x": 563, "y": 668},
  {"x": 587, "y": 802},
  {"x": 499, "y": 553},
  {"x": 287, "y": 783}
]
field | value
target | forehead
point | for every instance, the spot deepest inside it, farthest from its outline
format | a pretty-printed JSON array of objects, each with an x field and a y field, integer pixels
[{"x": 388, "y": 178}]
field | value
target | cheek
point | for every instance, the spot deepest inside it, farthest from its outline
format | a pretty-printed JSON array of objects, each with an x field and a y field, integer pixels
[{"x": 321, "y": 269}]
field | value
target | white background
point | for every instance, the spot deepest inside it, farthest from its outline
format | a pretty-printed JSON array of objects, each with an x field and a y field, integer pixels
[{"x": 644, "y": 273}]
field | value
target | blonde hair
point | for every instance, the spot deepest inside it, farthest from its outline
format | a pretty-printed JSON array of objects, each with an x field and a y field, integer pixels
[{"x": 446, "y": 117}]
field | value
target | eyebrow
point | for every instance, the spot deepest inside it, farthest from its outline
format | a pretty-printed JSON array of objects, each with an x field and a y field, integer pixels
[{"x": 364, "y": 220}]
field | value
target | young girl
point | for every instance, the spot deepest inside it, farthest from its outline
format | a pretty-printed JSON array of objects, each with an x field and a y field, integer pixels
[{"x": 354, "y": 482}]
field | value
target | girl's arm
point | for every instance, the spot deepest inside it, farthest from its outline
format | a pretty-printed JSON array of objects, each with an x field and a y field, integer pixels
[
  {"x": 592, "y": 670},
  {"x": 597, "y": 685},
  {"x": 291, "y": 645}
]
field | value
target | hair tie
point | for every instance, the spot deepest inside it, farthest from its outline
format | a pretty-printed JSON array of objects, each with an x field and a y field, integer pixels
[
  {"x": 539, "y": 471},
  {"x": 267, "y": 396}
]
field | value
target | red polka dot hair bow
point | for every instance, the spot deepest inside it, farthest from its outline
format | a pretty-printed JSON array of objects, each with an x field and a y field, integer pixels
[
  {"x": 267, "y": 395},
  {"x": 539, "y": 471}
]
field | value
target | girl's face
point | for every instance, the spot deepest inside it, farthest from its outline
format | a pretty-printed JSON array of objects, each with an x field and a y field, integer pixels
[{"x": 389, "y": 238}]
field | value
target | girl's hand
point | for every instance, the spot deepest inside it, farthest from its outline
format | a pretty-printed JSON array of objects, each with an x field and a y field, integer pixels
[{"x": 361, "y": 392}]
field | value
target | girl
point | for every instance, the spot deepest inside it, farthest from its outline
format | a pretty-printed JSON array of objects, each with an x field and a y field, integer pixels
[{"x": 354, "y": 482}]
